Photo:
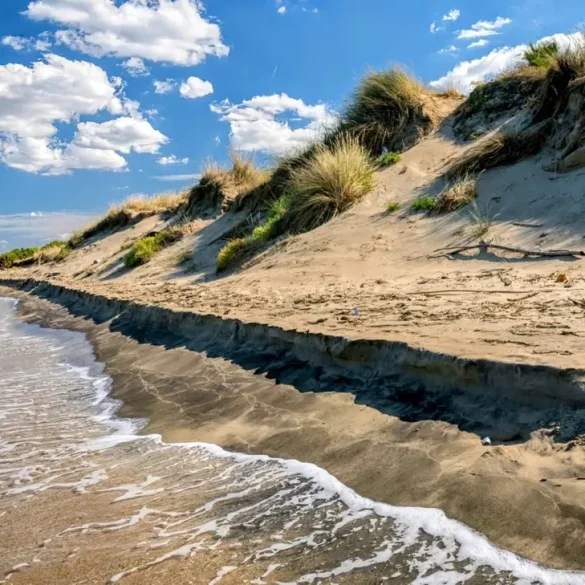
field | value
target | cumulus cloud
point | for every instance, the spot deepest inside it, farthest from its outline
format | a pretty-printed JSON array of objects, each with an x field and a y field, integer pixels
[
  {"x": 135, "y": 67},
  {"x": 172, "y": 160},
  {"x": 452, "y": 15},
  {"x": 466, "y": 74},
  {"x": 281, "y": 10},
  {"x": 164, "y": 31},
  {"x": 478, "y": 44},
  {"x": 484, "y": 28},
  {"x": 263, "y": 123},
  {"x": 195, "y": 88},
  {"x": 449, "y": 50},
  {"x": 57, "y": 90},
  {"x": 434, "y": 28},
  {"x": 165, "y": 86},
  {"x": 41, "y": 43}
]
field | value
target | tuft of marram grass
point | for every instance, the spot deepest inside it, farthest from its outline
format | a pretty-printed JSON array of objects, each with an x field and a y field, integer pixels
[
  {"x": 332, "y": 181},
  {"x": 541, "y": 54},
  {"x": 392, "y": 206},
  {"x": 388, "y": 159},
  {"x": 501, "y": 148},
  {"x": 382, "y": 105},
  {"x": 229, "y": 252},
  {"x": 460, "y": 192}
]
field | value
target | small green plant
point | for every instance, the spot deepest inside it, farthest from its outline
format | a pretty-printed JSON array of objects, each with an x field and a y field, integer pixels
[
  {"x": 388, "y": 159},
  {"x": 260, "y": 235},
  {"x": 229, "y": 252},
  {"x": 392, "y": 206},
  {"x": 541, "y": 54},
  {"x": 425, "y": 203},
  {"x": 144, "y": 249},
  {"x": 480, "y": 220}
]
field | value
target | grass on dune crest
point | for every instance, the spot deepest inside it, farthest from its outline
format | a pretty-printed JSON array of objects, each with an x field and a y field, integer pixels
[
  {"x": 123, "y": 214},
  {"x": 541, "y": 54},
  {"x": 381, "y": 107},
  {"x": 20, "y": 257}
]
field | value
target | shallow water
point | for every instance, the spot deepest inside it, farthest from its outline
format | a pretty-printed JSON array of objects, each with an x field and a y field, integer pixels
[{"x": 85, "y": 499}]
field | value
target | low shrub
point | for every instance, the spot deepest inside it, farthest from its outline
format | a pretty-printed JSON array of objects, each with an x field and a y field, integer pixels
[
  {"x": 145, "y": 248},
  {"x": 426, "y": 203},
  {"x": 9, "y": 259},
  {"x": 388, "y": 159}
]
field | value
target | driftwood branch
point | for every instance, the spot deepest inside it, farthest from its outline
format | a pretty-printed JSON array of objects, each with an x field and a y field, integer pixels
[{"x": 485, "y": 245}]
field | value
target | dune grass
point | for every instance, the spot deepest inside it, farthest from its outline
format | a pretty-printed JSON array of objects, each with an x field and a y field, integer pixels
[
  {"x": 121, "y": 215},
  {"x": 501, "y": 148},
  {"x": 145, "y": 248},
  {"x": 392, "y": 206},
  {"x": 54, "y": 251},
  {"x": 457, "y": 194},
  {"x": 332, "y": 181},
  {"x": 541, "y": 54},
  {"x": 383, "y": 103}
]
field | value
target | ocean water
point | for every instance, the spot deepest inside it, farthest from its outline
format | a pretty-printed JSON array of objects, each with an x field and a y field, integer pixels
[{"x": 84, "y": 498}]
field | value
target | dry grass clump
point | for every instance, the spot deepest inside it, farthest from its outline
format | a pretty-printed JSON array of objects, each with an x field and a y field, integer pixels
[
  {"x": 500, "y": 148},
  {"x": 541, "y": 54},
  {"x": 127, "y": 212},
  {"x": 383, "y": 105},
  {"x": 332, "y": 181},
  {"x": 228, "y": 186},
  {"x": 457, "y": 194}
]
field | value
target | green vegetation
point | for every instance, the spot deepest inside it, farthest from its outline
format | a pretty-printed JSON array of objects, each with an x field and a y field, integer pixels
[
  {"x": 381, "y": 107},
  {"x": 392, "y": 206},
  {"x": 260, "y": 235},
  {"x": 388, "y": 159},
  {"x": 425, "y": 203},
  {"x": 542, "y": 54},
  {"x": 144, "y": 249},
  {"x": 55, "y": 251}
]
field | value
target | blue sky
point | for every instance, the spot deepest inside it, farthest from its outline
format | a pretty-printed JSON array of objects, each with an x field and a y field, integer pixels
[{"x": 95, "y": 95}]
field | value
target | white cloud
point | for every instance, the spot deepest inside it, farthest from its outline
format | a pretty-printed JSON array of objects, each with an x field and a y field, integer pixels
[
  {"x": 33, "y": 99},
  {"x": 434, "y": 28},
  {"x": 41, "y": 43},
  {"x": 464, "y": 75},
  {"x": 135, "y": 67},
  {"x": 195, "y": 88},
  {"x": 169, "y": 178},
  {"x": 165, "y": 31},
  {"x": 484, "y": 28},
  {"x": 449, "y": 50},
  {"x": 255, "y": 126},
  {"x": 122, "y": 135},
  {"x": 282, "y": 10},
  {"x": 452, "y": 15},
  {"x": 164, "y": 86},
  {"x": 478, "y": 44},
  {"x": 172, "y": 160}
]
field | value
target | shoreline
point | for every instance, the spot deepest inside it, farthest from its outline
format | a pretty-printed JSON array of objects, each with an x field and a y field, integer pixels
[{"x": 429, "y": 463}]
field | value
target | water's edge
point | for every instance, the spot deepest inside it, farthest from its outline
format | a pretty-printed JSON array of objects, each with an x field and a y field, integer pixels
[{"x": 433, "y": 522}]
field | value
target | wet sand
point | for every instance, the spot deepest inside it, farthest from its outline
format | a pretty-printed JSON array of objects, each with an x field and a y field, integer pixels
[{"x": 525, "y": 495}]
